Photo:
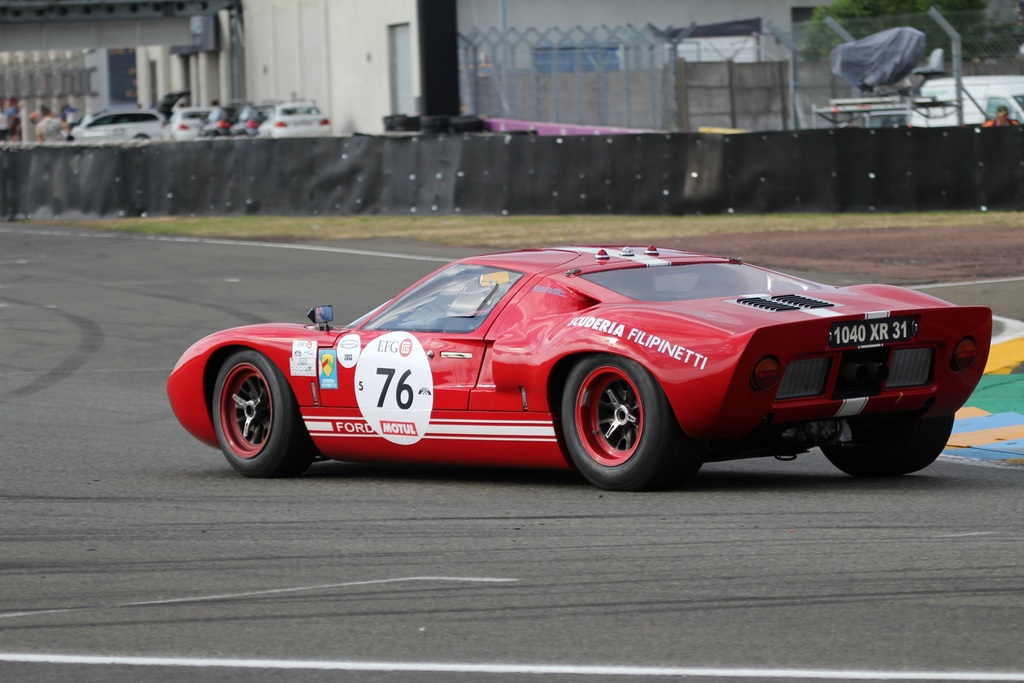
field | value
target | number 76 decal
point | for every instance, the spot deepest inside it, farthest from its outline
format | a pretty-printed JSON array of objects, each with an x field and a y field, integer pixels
[{"x": 395, "y": 387}]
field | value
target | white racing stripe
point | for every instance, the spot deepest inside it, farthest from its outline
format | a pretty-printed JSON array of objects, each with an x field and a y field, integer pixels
[
  {"x": 851, "y": 406},
  {"x": 485, "y": 430},
  {"x": 517, "y": 669},
  {"x": 638, "y": 255}
]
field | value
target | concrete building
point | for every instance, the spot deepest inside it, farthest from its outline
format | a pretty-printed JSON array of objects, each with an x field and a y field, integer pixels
[{"x": 359, "y": 59}]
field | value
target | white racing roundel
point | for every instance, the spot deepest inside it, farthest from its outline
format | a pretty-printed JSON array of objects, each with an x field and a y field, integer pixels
[{"x": 395, "y": 388}]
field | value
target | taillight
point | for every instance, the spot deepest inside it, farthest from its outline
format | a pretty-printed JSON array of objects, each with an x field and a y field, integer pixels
[
  {"x": 765, "y": 374},
  {"x": 964, "y": 354},
  {"x": 182, "y": 126},
  {"x": 252, "y": 124},
  {"x": 324, "y": 122},
  {"x": 280, "y": 124},
  {"x": 223, "y": 124}
]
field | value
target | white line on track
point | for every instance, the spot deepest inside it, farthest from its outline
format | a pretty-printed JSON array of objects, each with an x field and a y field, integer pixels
[
  {"x": 968, "y": 283},
  {"x": 226, "y": 242},
  {"x": 541, "y": 669},
  {"x": 270, "y": 591}
]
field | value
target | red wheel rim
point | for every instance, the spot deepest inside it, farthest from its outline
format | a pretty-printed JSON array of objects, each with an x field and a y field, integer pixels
[
  {"x": 609, "y": 416},
  {"x": 246, "y": 410}
]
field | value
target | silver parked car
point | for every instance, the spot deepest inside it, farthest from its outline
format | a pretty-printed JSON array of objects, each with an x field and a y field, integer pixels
[
  {"x": 186, "y": 122},
  {"x": 295, "y": 120}
]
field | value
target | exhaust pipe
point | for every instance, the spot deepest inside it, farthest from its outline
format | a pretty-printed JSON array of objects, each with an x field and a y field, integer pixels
[
  {"x": 877, "y": 371},
  {"x": 862, "y": 373}
]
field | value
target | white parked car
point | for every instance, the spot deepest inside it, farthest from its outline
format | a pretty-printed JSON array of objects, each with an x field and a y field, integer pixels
[
  {"x": 295, "y": 120},
  {"x": 186, "y": 122},
  {"x": 120, "y": 125}
]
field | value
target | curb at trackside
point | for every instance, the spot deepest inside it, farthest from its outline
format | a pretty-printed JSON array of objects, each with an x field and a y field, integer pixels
[{"x": 991, "y": 425}]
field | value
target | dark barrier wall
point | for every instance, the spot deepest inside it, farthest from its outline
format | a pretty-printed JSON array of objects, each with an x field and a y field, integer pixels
[{"x": 818, "y": 170}]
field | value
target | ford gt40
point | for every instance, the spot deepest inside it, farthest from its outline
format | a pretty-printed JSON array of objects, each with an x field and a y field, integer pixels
[{"x": 633, "y": 366}]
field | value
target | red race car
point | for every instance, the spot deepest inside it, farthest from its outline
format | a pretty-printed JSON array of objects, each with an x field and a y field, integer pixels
[{"x": 632, "y": 365}]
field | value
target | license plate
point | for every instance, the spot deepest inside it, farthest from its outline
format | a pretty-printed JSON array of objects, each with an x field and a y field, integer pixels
[{"x": 871, "y": 331}]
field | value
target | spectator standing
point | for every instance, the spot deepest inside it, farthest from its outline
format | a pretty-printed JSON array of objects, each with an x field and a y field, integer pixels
[
  {"x": 1002, "y": 119},
  {"x": 50, "y": 128},
  {"x": 5, "y": 127},
  {"x": 69, "y": 115},
  {"x": 13, "y": 120}
]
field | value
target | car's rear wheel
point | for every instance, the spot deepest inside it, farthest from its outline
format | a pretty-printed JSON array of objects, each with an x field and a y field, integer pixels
[
  {"x": 892, "y": 450},
  {"x": 257, "y": 419},
  {"x": 620, "y": 430}
]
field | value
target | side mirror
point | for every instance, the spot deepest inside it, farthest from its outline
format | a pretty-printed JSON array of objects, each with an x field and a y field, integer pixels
[{"x": 321, "y": 316}]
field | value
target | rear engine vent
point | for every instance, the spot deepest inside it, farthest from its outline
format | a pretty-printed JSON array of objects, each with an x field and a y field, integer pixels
[
  {"x": 804, "y": 378},
  {"x": 802, "y": 301},
  {"x": 911, "y": 368},
  {"x": 784, "y": 302}
]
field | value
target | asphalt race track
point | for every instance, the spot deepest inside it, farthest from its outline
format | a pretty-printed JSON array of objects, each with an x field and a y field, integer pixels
[{"x": 132, "y": 552}]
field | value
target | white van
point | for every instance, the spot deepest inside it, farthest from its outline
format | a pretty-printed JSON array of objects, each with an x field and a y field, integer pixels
[{"x": 982, "y": 96}]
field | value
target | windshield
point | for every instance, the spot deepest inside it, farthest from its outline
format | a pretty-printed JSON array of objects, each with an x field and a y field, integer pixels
[
  {"x": 695, "y": 281},
  {"x": 457, "y": 299}
]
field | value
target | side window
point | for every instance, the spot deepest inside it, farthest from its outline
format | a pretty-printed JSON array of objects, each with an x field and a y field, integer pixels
[
  {"x": 993, "y": 104},
  {"x": 101, "y": 121},
  {"x": 458, "y": 299}
]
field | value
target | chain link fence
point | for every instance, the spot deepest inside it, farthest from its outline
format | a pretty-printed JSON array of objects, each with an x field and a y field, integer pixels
[
  {"x": 648, "y": 79},
  {"x": 611, "y": 76}
]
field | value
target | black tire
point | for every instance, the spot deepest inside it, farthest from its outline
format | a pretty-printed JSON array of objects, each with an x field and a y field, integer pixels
[
  {"x": 435, "y": 124},
  {"x": 257, "y": 419},
  {"x": 892, "y": 450},
  {"x": 620, "y": 430},
  {"x": 394, "y": 123},
  {"x": 468, "y": 123}
]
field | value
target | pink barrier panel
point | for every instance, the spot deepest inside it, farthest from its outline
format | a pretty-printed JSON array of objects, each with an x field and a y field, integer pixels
[{"x": 545, "y": 128}]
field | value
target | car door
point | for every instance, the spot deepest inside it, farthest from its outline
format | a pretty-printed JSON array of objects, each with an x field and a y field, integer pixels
[
  {"x": 418, "y": 356},
  {"x": 141, "y": 125},
  {"x": 104, "y": 127}
]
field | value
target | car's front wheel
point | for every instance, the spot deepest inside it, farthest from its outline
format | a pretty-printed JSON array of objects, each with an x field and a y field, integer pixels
[
  {"x": 257, "y": 419},
  {"x": 620, "y": 430},
  {"x": 892, "y": 450}
]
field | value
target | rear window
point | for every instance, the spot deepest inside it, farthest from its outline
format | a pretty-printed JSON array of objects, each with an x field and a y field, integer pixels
[{"x": 695, "y": 281}]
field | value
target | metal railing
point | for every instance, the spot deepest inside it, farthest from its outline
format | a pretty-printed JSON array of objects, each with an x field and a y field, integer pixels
[{"x": 41, "y": 75}]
